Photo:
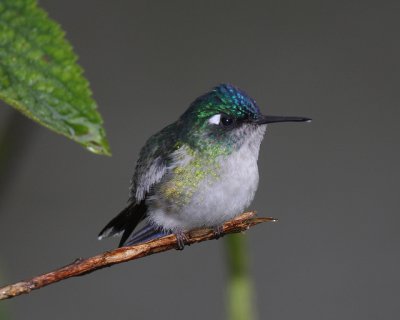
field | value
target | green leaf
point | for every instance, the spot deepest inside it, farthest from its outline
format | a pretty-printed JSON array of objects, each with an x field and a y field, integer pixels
[{"x": 39, "y": 75}]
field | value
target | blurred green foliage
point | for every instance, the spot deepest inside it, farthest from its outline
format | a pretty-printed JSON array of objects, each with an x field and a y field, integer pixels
[
  {"x": 39, "y": 75},
  {"x": 3, "y": 313},
  {"x": 241, "y": 300}
]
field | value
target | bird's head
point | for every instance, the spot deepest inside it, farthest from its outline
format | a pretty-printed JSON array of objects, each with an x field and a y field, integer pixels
[{"x": 227, "y": 115}]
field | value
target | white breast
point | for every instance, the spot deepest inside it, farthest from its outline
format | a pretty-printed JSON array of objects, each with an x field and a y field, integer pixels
[
  {"x": 227, "y": 197},
  {"x": 218, "y": 200}
]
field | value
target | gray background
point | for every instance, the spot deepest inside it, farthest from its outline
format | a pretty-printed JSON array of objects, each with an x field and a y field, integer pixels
[{"x": 333, "y": 183}]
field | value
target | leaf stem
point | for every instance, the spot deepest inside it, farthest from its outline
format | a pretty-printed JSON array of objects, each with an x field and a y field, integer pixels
[{"x": 240, "y": 293}]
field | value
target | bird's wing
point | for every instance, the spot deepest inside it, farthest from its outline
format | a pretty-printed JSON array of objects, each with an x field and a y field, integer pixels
[
  {"x": 146, "y": 176},
  {"x": 152, "y": 165},
  {"x": 150, "y": 169}
]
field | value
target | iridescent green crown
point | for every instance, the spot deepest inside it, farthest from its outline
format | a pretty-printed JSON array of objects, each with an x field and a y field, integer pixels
[{"x": 224, "y": 98}]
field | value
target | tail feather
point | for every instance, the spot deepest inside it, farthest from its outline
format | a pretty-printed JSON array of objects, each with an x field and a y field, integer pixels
[
  {"x": 125, "y": 222},
  {"x": 147, "y": 233}
]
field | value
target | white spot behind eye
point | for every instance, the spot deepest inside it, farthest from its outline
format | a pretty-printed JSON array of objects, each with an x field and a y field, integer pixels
[{"x": 215, "y": 119}]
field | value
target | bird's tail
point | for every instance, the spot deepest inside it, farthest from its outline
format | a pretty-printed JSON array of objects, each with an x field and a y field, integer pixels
[
  {"x": 125, "y": 222},
  {"x": 147, "y": 233}
]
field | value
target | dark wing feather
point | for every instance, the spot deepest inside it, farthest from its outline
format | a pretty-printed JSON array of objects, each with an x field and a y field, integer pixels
[
  {"x": 125, "y": 221},
  {"x": 153, "y": 162},
  {"x": 151, "y": 167}
]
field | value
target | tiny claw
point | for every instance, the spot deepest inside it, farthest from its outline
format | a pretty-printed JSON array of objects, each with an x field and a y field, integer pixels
[
  {"x": 77, "y": 260},
  {"x": 218, "y": 231},
  {"x": 182, "y": 240}
]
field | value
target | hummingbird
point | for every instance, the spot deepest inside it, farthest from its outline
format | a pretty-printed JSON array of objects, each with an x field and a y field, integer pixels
[{"x": 199, "y": 171}]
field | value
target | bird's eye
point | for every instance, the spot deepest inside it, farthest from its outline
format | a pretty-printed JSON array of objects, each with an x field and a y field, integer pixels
[
  {"x": 222, "y": 120},
  {"x": 226, "y": 121}
]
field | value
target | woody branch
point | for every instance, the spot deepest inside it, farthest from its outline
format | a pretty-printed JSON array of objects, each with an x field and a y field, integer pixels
[{"x": 84, "y": 266}]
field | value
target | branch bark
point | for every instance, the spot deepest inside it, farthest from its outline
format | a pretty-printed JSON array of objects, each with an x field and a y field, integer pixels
[{"x": 84, "y": 266}]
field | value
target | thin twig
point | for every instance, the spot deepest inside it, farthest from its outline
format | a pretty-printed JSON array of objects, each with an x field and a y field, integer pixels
[{"x": 84, "y": 266}]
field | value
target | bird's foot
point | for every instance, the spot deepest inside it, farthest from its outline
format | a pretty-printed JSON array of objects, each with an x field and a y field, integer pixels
[
  {"x": 218, "y": 231},
  {"x": 182, "y": 240}
]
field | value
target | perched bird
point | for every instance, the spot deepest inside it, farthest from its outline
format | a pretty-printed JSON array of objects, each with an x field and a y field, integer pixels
[{"x": 199, "y": 171}]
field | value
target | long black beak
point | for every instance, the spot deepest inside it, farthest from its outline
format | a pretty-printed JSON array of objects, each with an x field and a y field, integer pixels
[{"x": 272, "y": 119}]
